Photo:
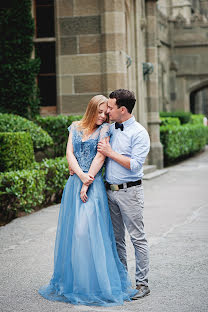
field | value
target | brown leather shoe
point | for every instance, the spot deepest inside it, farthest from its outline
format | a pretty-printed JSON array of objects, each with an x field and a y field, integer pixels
[{"x": 142, "y": 292}]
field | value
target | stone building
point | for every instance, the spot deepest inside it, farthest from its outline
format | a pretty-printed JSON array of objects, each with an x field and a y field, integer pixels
[{"x": 158, "y": 49}]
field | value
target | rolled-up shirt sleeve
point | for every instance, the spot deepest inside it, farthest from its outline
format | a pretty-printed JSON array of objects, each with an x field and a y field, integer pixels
[{"x": 140, "y": 149}]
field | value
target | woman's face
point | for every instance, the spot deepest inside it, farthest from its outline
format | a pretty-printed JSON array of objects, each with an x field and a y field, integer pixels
[{"x": 102, "y": 114}]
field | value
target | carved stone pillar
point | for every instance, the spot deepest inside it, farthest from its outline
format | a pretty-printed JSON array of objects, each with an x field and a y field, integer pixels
[
  {"x": 156, "y": 150},
  {"x": 204, "y": 7}
]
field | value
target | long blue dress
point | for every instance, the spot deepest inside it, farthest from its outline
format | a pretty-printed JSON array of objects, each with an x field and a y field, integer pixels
[{"x": 87, "y": 269}]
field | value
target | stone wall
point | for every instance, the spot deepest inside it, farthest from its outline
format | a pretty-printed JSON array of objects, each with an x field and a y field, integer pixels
[
  {"x": 91, "y": 57},
  {"x": 190, "y": 54},
  {"x": 164, "y": 56},
  {"x": 183, "y": 50},
  {"x": 79, "y": 60},
  {"x": 102, "y": 45}
]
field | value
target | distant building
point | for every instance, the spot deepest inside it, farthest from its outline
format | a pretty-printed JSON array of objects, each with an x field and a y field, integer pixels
[{"x": 90, "y": 47}]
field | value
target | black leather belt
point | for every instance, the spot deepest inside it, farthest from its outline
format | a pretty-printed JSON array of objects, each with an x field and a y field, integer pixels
[{"x": 117, "y": 187}]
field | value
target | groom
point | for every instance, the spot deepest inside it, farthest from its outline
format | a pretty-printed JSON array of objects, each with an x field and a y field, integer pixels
[{"x": 126, "y": 152}]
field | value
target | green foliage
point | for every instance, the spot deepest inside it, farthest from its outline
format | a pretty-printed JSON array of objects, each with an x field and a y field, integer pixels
[
  {"x": 56, "y": 175},
  {"x": 206, "y": 134},
  {"x": 184, "y": 117},
  {"x": 197, "y": 119},
  {"x": 21, "y": 190},
  {"x": 57, "y": 126},
  {"x": 181, "y": 141},
  {"x": 16, "y": 151},
  {"x": 27, "y": 190},
  {"x": 14, "y": 123},
  {"x": 18, "y": 91},
  {"x": 172, "y": 121}
]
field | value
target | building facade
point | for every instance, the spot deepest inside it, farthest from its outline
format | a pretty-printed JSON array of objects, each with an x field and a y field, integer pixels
[{"x": 158, "y": 49}]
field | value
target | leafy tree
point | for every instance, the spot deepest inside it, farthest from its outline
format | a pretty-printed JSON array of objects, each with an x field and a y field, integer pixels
[{"x": 18, "y": 89}]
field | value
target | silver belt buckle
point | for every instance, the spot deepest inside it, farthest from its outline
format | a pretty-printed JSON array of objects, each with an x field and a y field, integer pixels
[{"x": 114, "y": 187}]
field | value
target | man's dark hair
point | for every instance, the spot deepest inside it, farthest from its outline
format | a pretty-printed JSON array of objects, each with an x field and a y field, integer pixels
[{"x": 124, "y": 98}]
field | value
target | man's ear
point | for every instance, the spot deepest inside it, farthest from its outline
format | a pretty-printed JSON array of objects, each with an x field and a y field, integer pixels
[{"x": 123, "y": 109}]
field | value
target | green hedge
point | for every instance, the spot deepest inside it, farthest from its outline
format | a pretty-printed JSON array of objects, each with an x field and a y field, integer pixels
[
  {"x": 206, "y": 134},
  {"x": 172, "y": 121},
  {"x": 21, "y": 190},
  {"x": 14, "y": 123},
  {"x": 18, "y": 68},
  {"x": 197, "y": 119},
  {"x": 184, "y": 117},
  {"x": 181, "y": 141},
  {"x": 57, "y": 126},
  {"x": 27, "y": 190},
  {"x": 56, "y": 175},
  {"x": 16, "y": 151}
]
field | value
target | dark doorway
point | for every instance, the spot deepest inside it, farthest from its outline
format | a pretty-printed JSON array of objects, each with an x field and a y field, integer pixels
[{"x": 199, "y": 101}]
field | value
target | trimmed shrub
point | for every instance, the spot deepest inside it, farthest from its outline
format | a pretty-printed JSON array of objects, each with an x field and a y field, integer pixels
[
  {"x": 206, "y": 134},
  {"x": 16, "y": 151},
  {"x": 56, "y": 175},
  {"x": 197, "y": 119},
  {"x": 18, "y": 88},
  {"x": 172, "y": 121},
  {"x": 21, "y": 190},
  {"x": 57, "y": 126},
  {"x": 184, "y": 117},
  {"x": 27, "y": 190},
  {"x": 14, "y": 123},
  {"x": 181, "y": 141}
]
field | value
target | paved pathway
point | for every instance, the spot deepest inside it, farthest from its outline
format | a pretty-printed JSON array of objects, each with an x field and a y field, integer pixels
[{"x": 176, "y": 222}]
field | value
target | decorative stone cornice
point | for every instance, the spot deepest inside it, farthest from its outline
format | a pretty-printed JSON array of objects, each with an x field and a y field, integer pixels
[
  {"x": 180, "y": 4},
  {"x": 173, "y": 66},
  {"x": 143, "y": 23},
  {"x": 198, "y": 18},
  {"x": 163, "y": 19},
  {"x": 180, "y": 20}
]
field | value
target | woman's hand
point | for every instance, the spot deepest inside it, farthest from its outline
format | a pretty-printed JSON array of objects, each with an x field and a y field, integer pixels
[
  {"x": 87, "y": 179},
  {"x": 71, "y": 172},
  {"x": 83, "y": 193}
]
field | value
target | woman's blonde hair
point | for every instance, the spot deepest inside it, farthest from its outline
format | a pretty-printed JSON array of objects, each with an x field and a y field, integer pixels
[{"x": 89, "y": 119}]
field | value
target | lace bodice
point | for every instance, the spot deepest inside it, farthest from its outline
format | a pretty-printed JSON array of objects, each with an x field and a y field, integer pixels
[{"x": 85, "y": 151}]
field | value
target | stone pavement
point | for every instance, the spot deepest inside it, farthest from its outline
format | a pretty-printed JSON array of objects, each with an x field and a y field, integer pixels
[{"x": 176, "y": 223}]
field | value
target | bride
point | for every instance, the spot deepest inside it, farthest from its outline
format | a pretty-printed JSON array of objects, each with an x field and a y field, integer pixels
[{"x": 87, "y": 269}]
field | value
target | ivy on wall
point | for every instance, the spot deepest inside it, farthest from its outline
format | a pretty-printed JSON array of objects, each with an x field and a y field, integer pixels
[{"x": 18, "y": 90}]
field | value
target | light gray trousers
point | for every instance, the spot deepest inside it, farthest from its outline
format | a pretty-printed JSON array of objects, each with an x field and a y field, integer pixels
[{"x": 126, "y": 209}]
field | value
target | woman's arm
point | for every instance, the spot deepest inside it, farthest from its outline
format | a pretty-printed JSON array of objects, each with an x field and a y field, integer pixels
[
  {"x": 99, "y": 159},
  {"x": 94, "y": 168},
  {"x": 86, "y": 178},
  {"x": 96, "y": 165}
]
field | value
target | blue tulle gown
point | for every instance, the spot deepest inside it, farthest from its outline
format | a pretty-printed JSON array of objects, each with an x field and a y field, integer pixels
[{"x": 87, "y": 269}]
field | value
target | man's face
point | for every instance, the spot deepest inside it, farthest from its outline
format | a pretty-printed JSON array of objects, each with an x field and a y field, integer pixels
[{"x": 113, "y": 110}]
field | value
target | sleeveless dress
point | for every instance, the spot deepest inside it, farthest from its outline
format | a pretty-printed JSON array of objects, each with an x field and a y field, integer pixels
[{"x": 87, "y": 269}]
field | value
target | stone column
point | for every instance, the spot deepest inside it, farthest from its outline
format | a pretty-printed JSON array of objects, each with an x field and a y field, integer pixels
[
  {"x": 113, "y": 45},
  {"x": 182, "y": 7},
  {"x": 156, "y": 150},
  {"x": 173, "y": 66},
  {"x": 204, "y": 7}
]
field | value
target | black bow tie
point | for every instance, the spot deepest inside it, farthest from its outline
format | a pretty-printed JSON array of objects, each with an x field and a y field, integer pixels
[{"x": 118, "y": 125}]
